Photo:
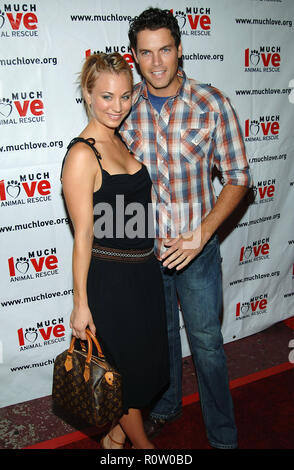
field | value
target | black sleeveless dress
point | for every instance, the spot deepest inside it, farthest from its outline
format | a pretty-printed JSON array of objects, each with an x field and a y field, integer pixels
[{"x": 126, "y": 299}]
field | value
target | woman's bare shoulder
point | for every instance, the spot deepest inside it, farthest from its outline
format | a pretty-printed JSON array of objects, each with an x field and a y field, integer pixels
[{"x": 80, "y": 155}]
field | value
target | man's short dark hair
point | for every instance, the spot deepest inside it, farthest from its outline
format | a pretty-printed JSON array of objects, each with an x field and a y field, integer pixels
[{"x": 153, "y": 19}]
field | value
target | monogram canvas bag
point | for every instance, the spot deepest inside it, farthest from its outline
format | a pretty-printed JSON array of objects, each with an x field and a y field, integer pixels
[{"x": 86, "y": 386}]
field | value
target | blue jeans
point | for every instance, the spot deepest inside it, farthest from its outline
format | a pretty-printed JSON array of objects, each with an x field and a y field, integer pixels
[{"x": 199, "y": 289}]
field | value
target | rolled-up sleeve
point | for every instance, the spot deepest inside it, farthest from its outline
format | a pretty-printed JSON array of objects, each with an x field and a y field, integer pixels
[{"x": 229, "y": 152}]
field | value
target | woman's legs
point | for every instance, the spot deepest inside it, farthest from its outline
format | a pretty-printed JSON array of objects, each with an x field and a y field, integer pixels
[
  {"x": 115, "y": 439},
  {"x": 130, "y": 425}
]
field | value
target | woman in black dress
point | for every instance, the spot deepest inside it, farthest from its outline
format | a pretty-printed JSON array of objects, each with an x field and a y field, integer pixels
[{"x": 118, "y": 290}]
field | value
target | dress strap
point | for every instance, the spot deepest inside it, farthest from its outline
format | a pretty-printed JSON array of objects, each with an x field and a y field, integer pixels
[{"x": 90, "y": 142}]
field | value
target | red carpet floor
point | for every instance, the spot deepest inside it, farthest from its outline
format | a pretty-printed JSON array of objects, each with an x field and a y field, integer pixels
[{"x": 264, "y": 408}]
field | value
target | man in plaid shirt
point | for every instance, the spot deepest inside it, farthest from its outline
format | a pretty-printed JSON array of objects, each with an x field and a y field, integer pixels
[{"x": 180, "y": 129}]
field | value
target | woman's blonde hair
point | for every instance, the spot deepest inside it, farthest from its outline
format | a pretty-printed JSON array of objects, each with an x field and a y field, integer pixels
[{"x": 101, "y": 62}]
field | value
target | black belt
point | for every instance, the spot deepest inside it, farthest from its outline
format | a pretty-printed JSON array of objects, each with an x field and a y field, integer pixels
[{"x": 125, "y": 256}]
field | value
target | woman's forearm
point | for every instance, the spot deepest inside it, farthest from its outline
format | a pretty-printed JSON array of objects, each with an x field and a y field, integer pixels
[{"x": 81, "y": 262}]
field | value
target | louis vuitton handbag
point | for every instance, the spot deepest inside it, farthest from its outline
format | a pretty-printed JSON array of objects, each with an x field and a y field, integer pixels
[{"x": 85, "y": 386}]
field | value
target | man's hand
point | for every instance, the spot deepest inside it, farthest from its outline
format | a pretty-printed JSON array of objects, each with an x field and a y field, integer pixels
[
  {"x": 183, "y": 249},
  {"x": 186, "y": 247}
]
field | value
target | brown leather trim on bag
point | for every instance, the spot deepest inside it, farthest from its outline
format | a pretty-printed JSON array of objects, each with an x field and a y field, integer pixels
[
  {"x": 90, "y": 338},
  {"x": 94, "y": 339}
]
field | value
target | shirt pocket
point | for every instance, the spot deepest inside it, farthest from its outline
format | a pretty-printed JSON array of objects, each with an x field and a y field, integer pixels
[
  {"x": 195, "y": 143},
  {"x": 134, "y": 140}
]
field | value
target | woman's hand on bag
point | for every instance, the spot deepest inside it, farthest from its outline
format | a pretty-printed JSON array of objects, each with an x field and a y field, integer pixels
[{"x": 80, "y": 319}]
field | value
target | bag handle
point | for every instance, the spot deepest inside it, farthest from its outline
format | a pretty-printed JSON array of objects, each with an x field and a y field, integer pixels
[
  {"x": 91, "y": 339},
  {"x": 95, "y": 341}
]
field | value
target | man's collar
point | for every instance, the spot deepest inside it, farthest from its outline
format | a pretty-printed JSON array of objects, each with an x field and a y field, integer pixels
[{"x": 184, "y": 90}]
